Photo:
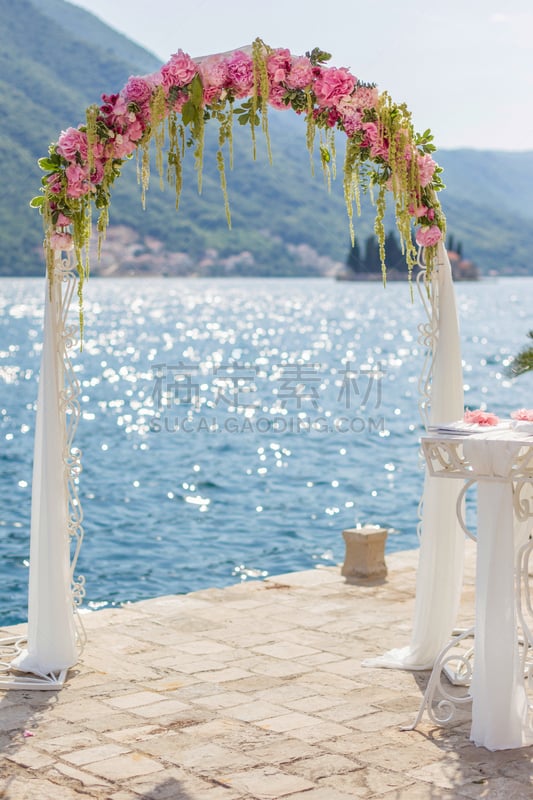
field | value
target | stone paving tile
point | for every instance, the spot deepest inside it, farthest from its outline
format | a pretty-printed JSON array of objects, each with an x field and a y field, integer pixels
[
  {"x": 31, "y": 788},
  {"x": 66, "y": 742},
  {"x": 320, "y": 732},
  {"x": 30, "y": 757},
  {"x": 255, "y": 710},
  {"x": 87, "y": 755},
  {"x": 124, "y": 767},
  {"x": 321, "y": 766},
  {"x": 93, "y": 783},
  {"x": 288, "y": 722},
  {"x": 324, "y": 793},
  {"x": 178, "y": 784},
  {"x": 268, "y": 783},
  {"x": 223, "y": 699},
  {"x": 279, "y": 750},
  {"x": 367, "y": 782},
  {"x": 163, "y": 708}
]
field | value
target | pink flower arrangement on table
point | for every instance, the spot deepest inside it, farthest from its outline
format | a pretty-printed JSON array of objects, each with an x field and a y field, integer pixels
[
  {"x": 523, "y": 415},
  {"x": 479, "y": 417},
  {"x": 382, "y": 149}
]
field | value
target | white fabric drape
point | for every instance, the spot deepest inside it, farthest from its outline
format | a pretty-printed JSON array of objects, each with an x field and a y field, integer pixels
[
  {"x": 440, "y": 568},
  {"x": 51, "y": 644},
  {"x": 499, "y": 701}
]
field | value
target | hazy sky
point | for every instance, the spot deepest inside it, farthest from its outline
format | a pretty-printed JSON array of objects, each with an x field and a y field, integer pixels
[{"x": 464, "y": 67}]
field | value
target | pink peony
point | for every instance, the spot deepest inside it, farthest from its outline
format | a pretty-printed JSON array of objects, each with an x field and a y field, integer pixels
[
  {"x": 301, "y": 73},
  {"x": 137, "y": 90},
  {"x": 72, "y": 143},
  {"x": 523, "y": 414},
  {"x": 366, "y": 96},
  {"x": 240, "y": 73},
  {"x": 278, "y": 65},
  {"x": 350, "y": 115},
  {"x": 213, "y": 72},
  {"x": 479, "y": 417},
  {"x": 77, "y": 180},
  {"x": 179, "y": 71},
  {"x": 426, "y": 168},
  {"x": 61, "y": 241},
  {"x": 332, "y": 85},
  {"x": 427, "y": 236}
]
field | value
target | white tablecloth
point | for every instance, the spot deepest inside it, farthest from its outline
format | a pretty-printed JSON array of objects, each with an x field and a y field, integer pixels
[{"x": 500, "y": 718}]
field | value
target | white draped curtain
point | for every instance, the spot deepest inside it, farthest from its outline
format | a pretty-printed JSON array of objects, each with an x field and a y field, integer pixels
[{"x": 51, "y": 640}]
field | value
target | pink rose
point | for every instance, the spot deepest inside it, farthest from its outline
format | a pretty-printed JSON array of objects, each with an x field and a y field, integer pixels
[
  {"x": 62, "y": 220},
  {"x": 114, "y": 111},
  {"x": 61, "y": 241},
  {"x": 332, "y": 85},
  {"x": 240, "y": 73},
  {"x": 278, "y": 65},
  {"x": 523, "y": 414},
  {"x": 211, "y": 94},
  {"x": 97, "y": 175},
  {"x": 179, "y": 71},
  {"x": 371, "y": 134},
  {"x": 77, "y": 180},
  {"x": 301, "y": 73},
  {"x": 134, "y": 129},
  {"x": 72, "y": 143},
  {"x": 479, "y": 417},
  {"x": 426, "y": 168},
  {"x": 427, "y": 236},
  {"x": 275, "y": 97},
  {"x": 122, "y": 146},
  {"x": 418, "y": 211},
  {"x": 137, "y": 90},
  {"x": 379, "y": 147}
]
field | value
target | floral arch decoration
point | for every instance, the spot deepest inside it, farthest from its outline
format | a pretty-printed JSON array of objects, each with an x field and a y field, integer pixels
[{"x": 383, "y": 155}]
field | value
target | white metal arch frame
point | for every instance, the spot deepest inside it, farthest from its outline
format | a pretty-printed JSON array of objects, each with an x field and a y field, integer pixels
[{"x": 55, "y": 636}]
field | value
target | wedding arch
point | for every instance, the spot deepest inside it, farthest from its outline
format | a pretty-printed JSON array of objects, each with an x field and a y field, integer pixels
[{"x": 170, "y": 108}]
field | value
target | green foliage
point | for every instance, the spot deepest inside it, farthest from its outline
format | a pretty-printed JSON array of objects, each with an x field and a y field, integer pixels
[{"x": 523, "y": 362}]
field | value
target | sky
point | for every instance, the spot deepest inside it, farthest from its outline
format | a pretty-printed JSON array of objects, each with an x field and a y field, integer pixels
[{"x": 464, "y": 67}]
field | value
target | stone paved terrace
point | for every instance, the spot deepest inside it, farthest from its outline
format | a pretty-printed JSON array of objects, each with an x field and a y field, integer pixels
[{"x": 250, "y": 692}]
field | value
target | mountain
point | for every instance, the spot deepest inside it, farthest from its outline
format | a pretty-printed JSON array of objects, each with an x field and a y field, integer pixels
[{"x": 55, "y": 59}]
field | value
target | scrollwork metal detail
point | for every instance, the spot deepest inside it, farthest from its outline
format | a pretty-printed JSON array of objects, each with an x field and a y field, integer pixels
[
  {"x": 453, "y": 667},
  {"x": 66, "y": 278}
]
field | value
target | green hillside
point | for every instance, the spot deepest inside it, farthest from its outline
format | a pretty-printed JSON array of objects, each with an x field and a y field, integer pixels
[{"x": 55, "y": 59}]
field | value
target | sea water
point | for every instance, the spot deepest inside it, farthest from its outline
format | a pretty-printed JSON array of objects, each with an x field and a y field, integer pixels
[{"x": 232, "y": 428}]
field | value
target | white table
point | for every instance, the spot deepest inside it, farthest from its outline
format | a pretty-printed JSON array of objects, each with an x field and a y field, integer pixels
[{"x": 500, "y": 461}]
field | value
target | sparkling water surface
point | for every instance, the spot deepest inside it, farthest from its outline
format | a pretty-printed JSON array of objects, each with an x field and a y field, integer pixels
[{"x": 232, "y": 429}]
